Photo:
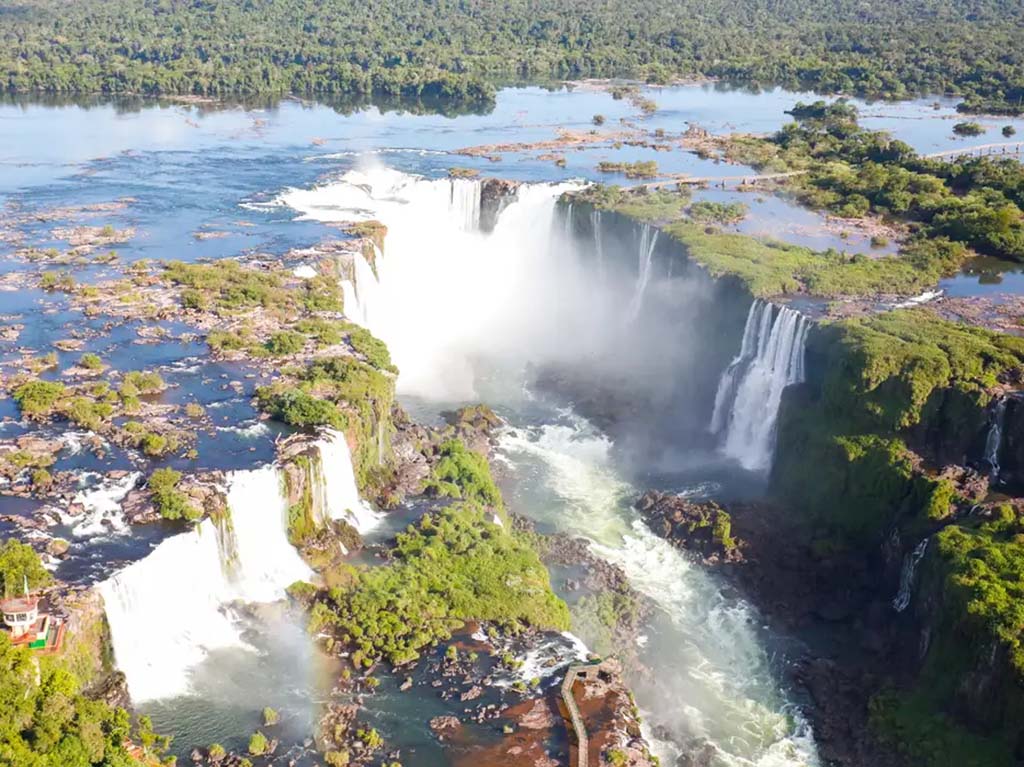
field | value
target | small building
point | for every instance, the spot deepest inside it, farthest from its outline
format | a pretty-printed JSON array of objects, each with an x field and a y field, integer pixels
[{"x": 26, "y": 625}]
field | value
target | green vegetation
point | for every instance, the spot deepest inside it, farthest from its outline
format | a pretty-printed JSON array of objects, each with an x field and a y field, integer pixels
[
  {"x": 884, "y": 378},
  {"x": 644, "y": 169},
  {"x": 1008, "y": 131},
  {"x": 454, "y": 566},
  {"x": 270, "y": 717},
  {"x": 415, "y": 49},
  {"x": 853, "y": 172},
  {"x": 90, "y": 362},
  {"x": 302, "y": 524},
  {"x": 771, "y": 268},
  {"x": 641, "y": 204},
  {"x": 167, "y": 498},
  {"x": 342, "y": 392},
  {"x": 707, "y": 212},
  {"x": 371, "y": 348},
  {"x": 37, "y": 399},
  {"x": 461, "y": 473},
  {"x": 61, "y": 281},
  {"x": 138, "y": 382},
  {"x": 258, "y": 744},
  {"x": 968, "y": 129},
  {"x": 49, "y": 723},
  {"x": 19, "y": 564}
]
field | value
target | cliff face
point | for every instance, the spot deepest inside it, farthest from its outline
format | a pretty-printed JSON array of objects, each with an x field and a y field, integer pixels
[{"x": 673, "y": 331}]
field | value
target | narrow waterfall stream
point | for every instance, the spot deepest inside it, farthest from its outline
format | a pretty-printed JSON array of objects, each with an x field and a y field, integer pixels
[
  {"x": 994, "y": 439},
  {"x": 771, "y": 357},
  {"x": 466, "y": 316}
]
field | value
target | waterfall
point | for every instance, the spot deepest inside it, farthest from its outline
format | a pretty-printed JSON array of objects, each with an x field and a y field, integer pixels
[
  {"x": 910, "y": 562},
  {"x": 770, "y": 359},
  {"x": 341, "y": 494},
  {"x": 445, "y": 291},
  {"x": 360, "y": 290},
  {"x": 169, "y": 610},
  {"x": 994, "y": 440},
  {"x": 645, "y": 253},
  {"x": 465, "y": 203},
  {"x": 759, "y": 312},
  {"x": 595, "y": 224}
]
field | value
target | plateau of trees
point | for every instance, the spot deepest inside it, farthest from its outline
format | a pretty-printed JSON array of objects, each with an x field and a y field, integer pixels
[{"x": 454, "y": 51}]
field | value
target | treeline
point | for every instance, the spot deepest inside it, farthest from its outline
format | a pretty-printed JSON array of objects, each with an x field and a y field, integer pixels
[{"x": 453, "y": 49}]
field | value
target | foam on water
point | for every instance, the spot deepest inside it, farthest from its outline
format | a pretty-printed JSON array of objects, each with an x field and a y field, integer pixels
[
  {"x": 712, "y": 681},
  {"x": 102, "y": 504}
]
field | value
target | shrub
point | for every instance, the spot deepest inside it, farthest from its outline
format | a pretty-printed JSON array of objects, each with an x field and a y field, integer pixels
[
  {"x": 41, "y": 479},
  {"x": 285, "y": 342},
  {"x": 90, "y": 362},
  {"x": 298, "y": 408},
  {"x": 194, "y": 410},
  {"x": 258, "y": 744},
  {"x": 598, "y": 120},
  {"x": 38, "y": 398},
  {"x": 145, "y": 382},
  {"x": 168, "y": 500},
  {"x": 461, "y": 473},
  {"x": 57, "y": 281},
  {"x": 1009, "y": 130},
  {"x": 270, "y": 717},
  {"x": 372, "y": 348},
  {"x": 216, "y": 752},
  {"x": 968, "y": 129}
]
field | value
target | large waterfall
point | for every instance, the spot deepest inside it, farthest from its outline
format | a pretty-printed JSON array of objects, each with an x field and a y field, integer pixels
[
  {"x": 771, "y": 358},
  {"x": 445, "y": 290},
  {"x": 340, "y": 493},
  {"x": 168, "y": 611}
]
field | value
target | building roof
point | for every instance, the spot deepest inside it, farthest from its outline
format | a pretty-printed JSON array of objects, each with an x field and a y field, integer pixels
[{"x": 19, "y": 604}]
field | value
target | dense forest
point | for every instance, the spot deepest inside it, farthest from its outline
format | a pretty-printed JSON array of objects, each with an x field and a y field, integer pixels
[{"x": 456, "y": 49}]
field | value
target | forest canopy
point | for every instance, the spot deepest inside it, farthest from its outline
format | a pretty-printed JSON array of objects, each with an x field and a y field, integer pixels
[{"x": 454, "y": 49}]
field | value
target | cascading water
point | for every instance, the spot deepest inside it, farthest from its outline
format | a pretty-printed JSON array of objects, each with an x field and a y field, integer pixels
[
  {"x": 759, "y": 311},
  {"x": 770, "y": 359},
  {"x": 645, "y": 255},
  {"x": 340, "y": 491},
  {"x": 907, "y": 573},
  {"x": 994, "y": 440},
  {"x": 444, "y": 290},
  {"x": 168, "y": 611},
  {"x": 465, "y": 203},
  {"x": 102, "y": 507}
]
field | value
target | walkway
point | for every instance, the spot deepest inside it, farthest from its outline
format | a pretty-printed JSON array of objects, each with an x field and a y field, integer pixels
[
  {"x": 582, "y": 742},
  {"x": 747, "y": 180},
  {"x": 1007, "y": 148}
]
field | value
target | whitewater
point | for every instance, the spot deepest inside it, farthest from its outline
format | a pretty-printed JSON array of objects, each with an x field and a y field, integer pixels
[{"x": 455, "y": 305}]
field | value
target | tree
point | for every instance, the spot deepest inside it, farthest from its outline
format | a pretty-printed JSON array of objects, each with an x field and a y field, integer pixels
[{"x": 19, "y": 564}]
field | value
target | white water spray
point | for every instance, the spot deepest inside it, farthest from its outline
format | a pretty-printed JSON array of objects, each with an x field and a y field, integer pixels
[
  {"x": 770, "y": 359},
  {"x": 102, "y": 505},
  {"x": 167, "y": 612},
  {"x": 444, "y": 290},
  {"x": 907, "y": 573}
]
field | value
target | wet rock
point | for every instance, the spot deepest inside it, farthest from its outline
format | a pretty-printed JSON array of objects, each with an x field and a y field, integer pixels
[
  {"x": 704, "y": 528},
  {"x": 442, "y": 725},
  {"x": 495, "y": 195}
]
